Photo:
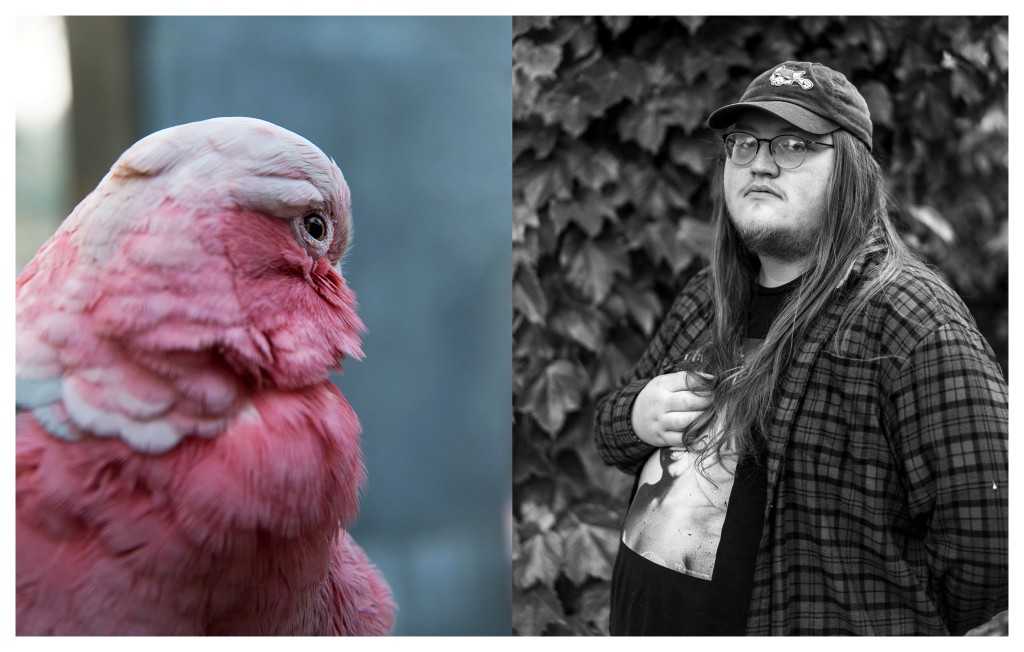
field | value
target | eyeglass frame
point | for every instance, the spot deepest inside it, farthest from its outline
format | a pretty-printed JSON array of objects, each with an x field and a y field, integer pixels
[{"x": 771, "y": 148}]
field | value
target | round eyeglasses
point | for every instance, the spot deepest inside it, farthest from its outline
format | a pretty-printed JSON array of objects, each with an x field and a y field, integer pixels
[{"x": 788, "y": 152}]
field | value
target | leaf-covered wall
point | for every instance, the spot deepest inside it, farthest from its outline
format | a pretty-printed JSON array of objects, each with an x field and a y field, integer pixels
[{"x": 610, "y": 219}]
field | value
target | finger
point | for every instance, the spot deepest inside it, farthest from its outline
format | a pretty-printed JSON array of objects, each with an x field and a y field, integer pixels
[
  {"x": 673, "y": 438},
  {"x": 684, "y": 401},
  {"x": 679, "y": 421}
]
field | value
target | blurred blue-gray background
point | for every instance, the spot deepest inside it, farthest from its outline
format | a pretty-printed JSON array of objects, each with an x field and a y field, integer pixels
[{"x": 416, "y": 111}]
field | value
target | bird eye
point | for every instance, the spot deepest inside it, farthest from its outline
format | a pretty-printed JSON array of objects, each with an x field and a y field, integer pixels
[{"x": 315, "y": 227}]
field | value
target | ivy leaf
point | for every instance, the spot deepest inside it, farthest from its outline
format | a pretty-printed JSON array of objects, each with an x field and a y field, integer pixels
[
  {"x": 539, "y": 181},
  {"x": 611, "y": 481},
  {"x": 549, "y": 238},
  {"x": 536, "y": 61},
  {"x": 590, "y": 547},
  {"x": 578, "y": 32},
  {"x": 696, "y": 155},
  {"x": 691, "y": 108},
  {"x": 695, "y": 235},
  {"x": 712, "y": 64},
  {"x": 999, "y": 244},
  {"x": 644, "y": 307},
  {"x": 557, "y": 391},
  {"x": 963, "y": 85},
  {"x": 592, "y": 168},
  {"x": 594, "y": 265},
  {"x": 577, "y": 433},
  {"x": 611, "y": 366},
  {"x": 692, "y": 23},
  {"x": 527, "y": 461},
  {"x": 538, "y": 492},
  {"x": 534, "y": 610},
  {"x": 524, "y": 217},
  {"x": 525, "y": 246},
  {"x": 541, "y": 140},
  {"x": 595, "y": 606},
  {"x": 999, "y": 44},
  {"x": 776, "y": 46},
  {"x": 659, "y": 239},
  {"x": 814, "y": 26},
  {"x": 573, "y": 482},
  {"x": 572, "y": 105},
  {"x": 582, "y": 470},
  {"x": 879, "y": 102},
  {"x": 656, "y": 193},
  {"x": 537, "y": 514},
  {"x": 617, "y": 24},
  {"x": 583, "y": 40},
  {"x": 941, "y": 117},
  {"x": 646, "y": 124},
  {"x": 575, "y": 625},
  {"x": 599, "y": 515},
  {"x": 588, "y": 212},
  {"x": 522, "y": 141},
  {"x": 586, "y": 329},
  {"x": 523, "y": 24},
  {"x": 660, "y": 74},
  {"x": 976, "y": 52},
  {"x": 934, "y": 222},
  {"x": 528, "y": 295},
  {"x": 533, "y": 344},
  {"x": 538, "y": 561},
  {"x": 525, "y": 95},
  {"x": 876, "y": 41},
  {"x": 614, "y": 81}
]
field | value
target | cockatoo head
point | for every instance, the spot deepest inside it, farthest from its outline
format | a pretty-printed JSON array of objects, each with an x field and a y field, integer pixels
[
  {"x": 204, "y": 263},
  {"x": 271, "y": 214},
  {"x": 249, "y": 165}
]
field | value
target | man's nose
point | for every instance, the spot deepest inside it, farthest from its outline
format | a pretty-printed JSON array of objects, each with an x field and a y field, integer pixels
[{"x": 764, "y": 162}]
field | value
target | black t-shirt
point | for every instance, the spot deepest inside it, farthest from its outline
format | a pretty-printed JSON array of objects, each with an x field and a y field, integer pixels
[{"x": 649, "y": 597}]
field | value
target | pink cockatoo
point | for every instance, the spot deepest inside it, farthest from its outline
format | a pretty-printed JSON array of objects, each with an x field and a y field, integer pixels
[{"x": 184, "y": 466}]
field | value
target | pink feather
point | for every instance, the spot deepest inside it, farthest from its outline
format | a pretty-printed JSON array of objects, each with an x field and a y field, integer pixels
[{"x": 183, "y": 464}]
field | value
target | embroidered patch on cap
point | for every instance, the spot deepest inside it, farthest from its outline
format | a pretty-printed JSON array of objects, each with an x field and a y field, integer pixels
[{"x": 783, "y": 76}]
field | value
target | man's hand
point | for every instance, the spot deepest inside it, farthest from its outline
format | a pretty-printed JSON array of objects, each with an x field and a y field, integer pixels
[{"x": 666, "y": 407}]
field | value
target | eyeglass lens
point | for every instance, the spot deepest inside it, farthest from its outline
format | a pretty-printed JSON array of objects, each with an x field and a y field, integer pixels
[{"x": 788, "y": 151}]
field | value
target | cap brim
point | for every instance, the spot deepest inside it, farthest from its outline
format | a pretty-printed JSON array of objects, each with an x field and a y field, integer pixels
[{"x": 810, "y": 122}]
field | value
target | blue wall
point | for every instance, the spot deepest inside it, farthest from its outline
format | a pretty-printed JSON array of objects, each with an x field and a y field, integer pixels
[{"x": 417, "y": 114}]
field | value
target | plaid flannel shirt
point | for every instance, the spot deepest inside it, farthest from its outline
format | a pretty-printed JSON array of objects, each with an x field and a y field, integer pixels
[{"x": 887, "y": 465}]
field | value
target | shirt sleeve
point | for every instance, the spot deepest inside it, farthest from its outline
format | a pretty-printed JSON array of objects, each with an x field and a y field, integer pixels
[
  {"x": 949, "y": 407},
  {"x": 617, "y": 442}
]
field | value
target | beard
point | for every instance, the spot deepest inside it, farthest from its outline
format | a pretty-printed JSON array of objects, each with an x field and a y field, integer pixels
[{"x": 787, "y": 244}]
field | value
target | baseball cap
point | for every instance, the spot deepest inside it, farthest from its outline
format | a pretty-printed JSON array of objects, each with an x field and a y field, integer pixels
[{"x": 811, "y": 96}]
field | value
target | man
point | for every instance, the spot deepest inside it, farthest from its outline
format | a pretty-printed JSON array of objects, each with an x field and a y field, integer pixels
[{"x": 864, "y": 414}]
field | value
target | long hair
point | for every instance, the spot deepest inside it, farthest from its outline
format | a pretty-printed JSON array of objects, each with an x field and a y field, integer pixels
[{"x": 856, "y": 223}]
